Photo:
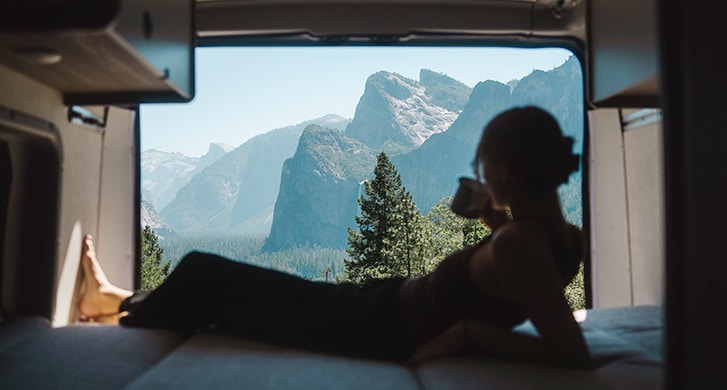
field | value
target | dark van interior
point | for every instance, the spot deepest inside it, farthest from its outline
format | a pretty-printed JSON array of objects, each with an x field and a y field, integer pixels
[{"x": 74, "y": 74}]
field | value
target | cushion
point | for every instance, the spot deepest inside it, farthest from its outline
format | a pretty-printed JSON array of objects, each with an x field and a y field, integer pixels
[
  {"x": 625, "y": 345},
  {"x": 84, "y": 357},
  {"x": 17, "y": 330},
  {"x": 210, "y": 361}
]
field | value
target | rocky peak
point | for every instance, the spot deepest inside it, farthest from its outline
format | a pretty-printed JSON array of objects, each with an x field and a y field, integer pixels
[
  {"x": 396, "y": 115},
  {"x": 331, "y": 151},
  {"x": 150, "y": 217},
  {"x": 214, "y": 153},
  {"x": 444, "y": 91}
]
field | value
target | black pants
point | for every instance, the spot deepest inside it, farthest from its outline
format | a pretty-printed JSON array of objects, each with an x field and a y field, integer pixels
[{"x": 210, "y": 292}]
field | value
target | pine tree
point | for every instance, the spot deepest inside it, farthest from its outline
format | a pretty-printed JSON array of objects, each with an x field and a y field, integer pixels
[
  {"x": 410, "y": 239},
  {"x": 450, "y": 232},
  {"x": 388, "y": 242},
  {"x": 446, "y": 229},
  {"x": 153, "y": 270},
  {"x": 473, "y": 231}
]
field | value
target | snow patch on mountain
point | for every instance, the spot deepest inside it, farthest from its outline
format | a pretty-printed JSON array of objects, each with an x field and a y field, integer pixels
[
  {"x": 417, "y": 117},
  {"x": 397, "y": 115}
]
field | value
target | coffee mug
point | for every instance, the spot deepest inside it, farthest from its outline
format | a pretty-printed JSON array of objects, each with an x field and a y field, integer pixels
[{"x": 470, "y": 198}]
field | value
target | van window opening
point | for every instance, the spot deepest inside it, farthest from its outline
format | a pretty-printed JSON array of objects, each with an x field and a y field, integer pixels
[{"x": 269, "y": 161}]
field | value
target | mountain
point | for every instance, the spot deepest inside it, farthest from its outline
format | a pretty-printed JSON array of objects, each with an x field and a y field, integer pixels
[
  {"x": 444, "y": 91},
  {"x": 395, "y": 114},
  {"x": 560, "y": 92},
  {"x": 450, "y": 154},
  {"x": 430, "y": 172},
  {"x": 149, "y": 217},
  {"x": 300, "y": 184},
  {"x": 237, "y": 192},
  {"x": 319, "y": 189},
  {"x": 164, "y": 173},
  {"x": 214, "y": 153},
  {"x": 302, "y": 218}
]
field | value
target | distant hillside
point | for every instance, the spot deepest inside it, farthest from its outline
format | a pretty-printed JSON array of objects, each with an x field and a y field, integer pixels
[
  {"x": 164, "y": 173},
  {"x": 149, "y": 217},
  {"x": 237, "y": 193}
]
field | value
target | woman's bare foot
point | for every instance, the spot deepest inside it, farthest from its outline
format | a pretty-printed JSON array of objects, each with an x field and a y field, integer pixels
[{"x": 100, "y": 300}]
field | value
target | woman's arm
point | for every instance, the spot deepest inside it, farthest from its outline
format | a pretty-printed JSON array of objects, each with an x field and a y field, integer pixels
[
  {"x": 526, "y": 270},
  {"x": 530, "y": 279},
  {"x": 506, "y": 343},
  {"x": 479, "y": 336},
  {"x": 448, "y": 343}
]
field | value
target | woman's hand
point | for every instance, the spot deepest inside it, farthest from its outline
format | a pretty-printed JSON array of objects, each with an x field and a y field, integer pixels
[
  {"x": 450, "y": 342},
  {"x": 491, "y": 217}
]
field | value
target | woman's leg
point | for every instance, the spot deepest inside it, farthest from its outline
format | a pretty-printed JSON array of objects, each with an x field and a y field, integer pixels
[
  {"x": 206, "y": 289},
  {"x": 99, "y": 301},
  {"x": 202, "y": 289}
]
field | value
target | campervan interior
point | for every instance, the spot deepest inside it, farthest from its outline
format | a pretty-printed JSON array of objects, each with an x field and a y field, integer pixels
[{"x": 78, "y": 76}]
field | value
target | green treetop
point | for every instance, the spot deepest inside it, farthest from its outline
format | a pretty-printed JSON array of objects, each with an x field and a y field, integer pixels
[
  {"x": 389, "y": 239},
  {"x": 153, "y": 270}
]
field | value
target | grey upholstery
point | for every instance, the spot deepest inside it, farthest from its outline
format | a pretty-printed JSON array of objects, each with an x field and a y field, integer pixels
[
  {"x": 18, "y": 331},
  {"x": 83, "y": 357},
  {"x": 243, "y": 364},
  {"x": 626, "y": 344}
]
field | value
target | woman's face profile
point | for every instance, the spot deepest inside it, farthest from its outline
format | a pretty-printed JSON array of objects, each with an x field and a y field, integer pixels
[{"x": 492, "y": 173}]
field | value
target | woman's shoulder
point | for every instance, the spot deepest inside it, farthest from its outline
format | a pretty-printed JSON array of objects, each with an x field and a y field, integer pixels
[
  {"x": 529, "y": 231},
  {"x": 521, "y": 232},
  {"x": 521, "y": 242}
]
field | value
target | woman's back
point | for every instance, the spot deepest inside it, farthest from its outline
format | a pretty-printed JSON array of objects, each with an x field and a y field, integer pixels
[
  {"x": 432, "y": 303},
  {"x": 466, "y": 285}
]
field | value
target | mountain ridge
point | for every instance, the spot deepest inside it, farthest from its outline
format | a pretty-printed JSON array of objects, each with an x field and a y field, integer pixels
[
  {"x": 237, "y": 192},
  {"x": 299, "y": 184},
  {"x": 430, "y": 171}
]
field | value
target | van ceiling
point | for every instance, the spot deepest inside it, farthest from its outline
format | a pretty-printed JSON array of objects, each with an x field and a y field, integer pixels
[
  {"x": 385, "y": 21},
  {"x": 138, "y": 53}
]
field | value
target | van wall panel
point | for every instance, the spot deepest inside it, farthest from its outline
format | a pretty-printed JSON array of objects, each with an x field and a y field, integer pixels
[
  {"x": 611, "y": 278},
  {"x": 645, "y": 183},
  {"x": 80, "y": 147},
  {"x": 79, "y": 210},
  {"x": 115, "y": 245}
]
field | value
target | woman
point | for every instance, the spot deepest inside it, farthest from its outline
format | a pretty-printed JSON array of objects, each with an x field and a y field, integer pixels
[{"x": 469, "y": 303}]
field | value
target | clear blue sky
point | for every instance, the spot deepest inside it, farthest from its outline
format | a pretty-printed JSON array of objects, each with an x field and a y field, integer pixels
[{"x": 242, "y": 92}]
